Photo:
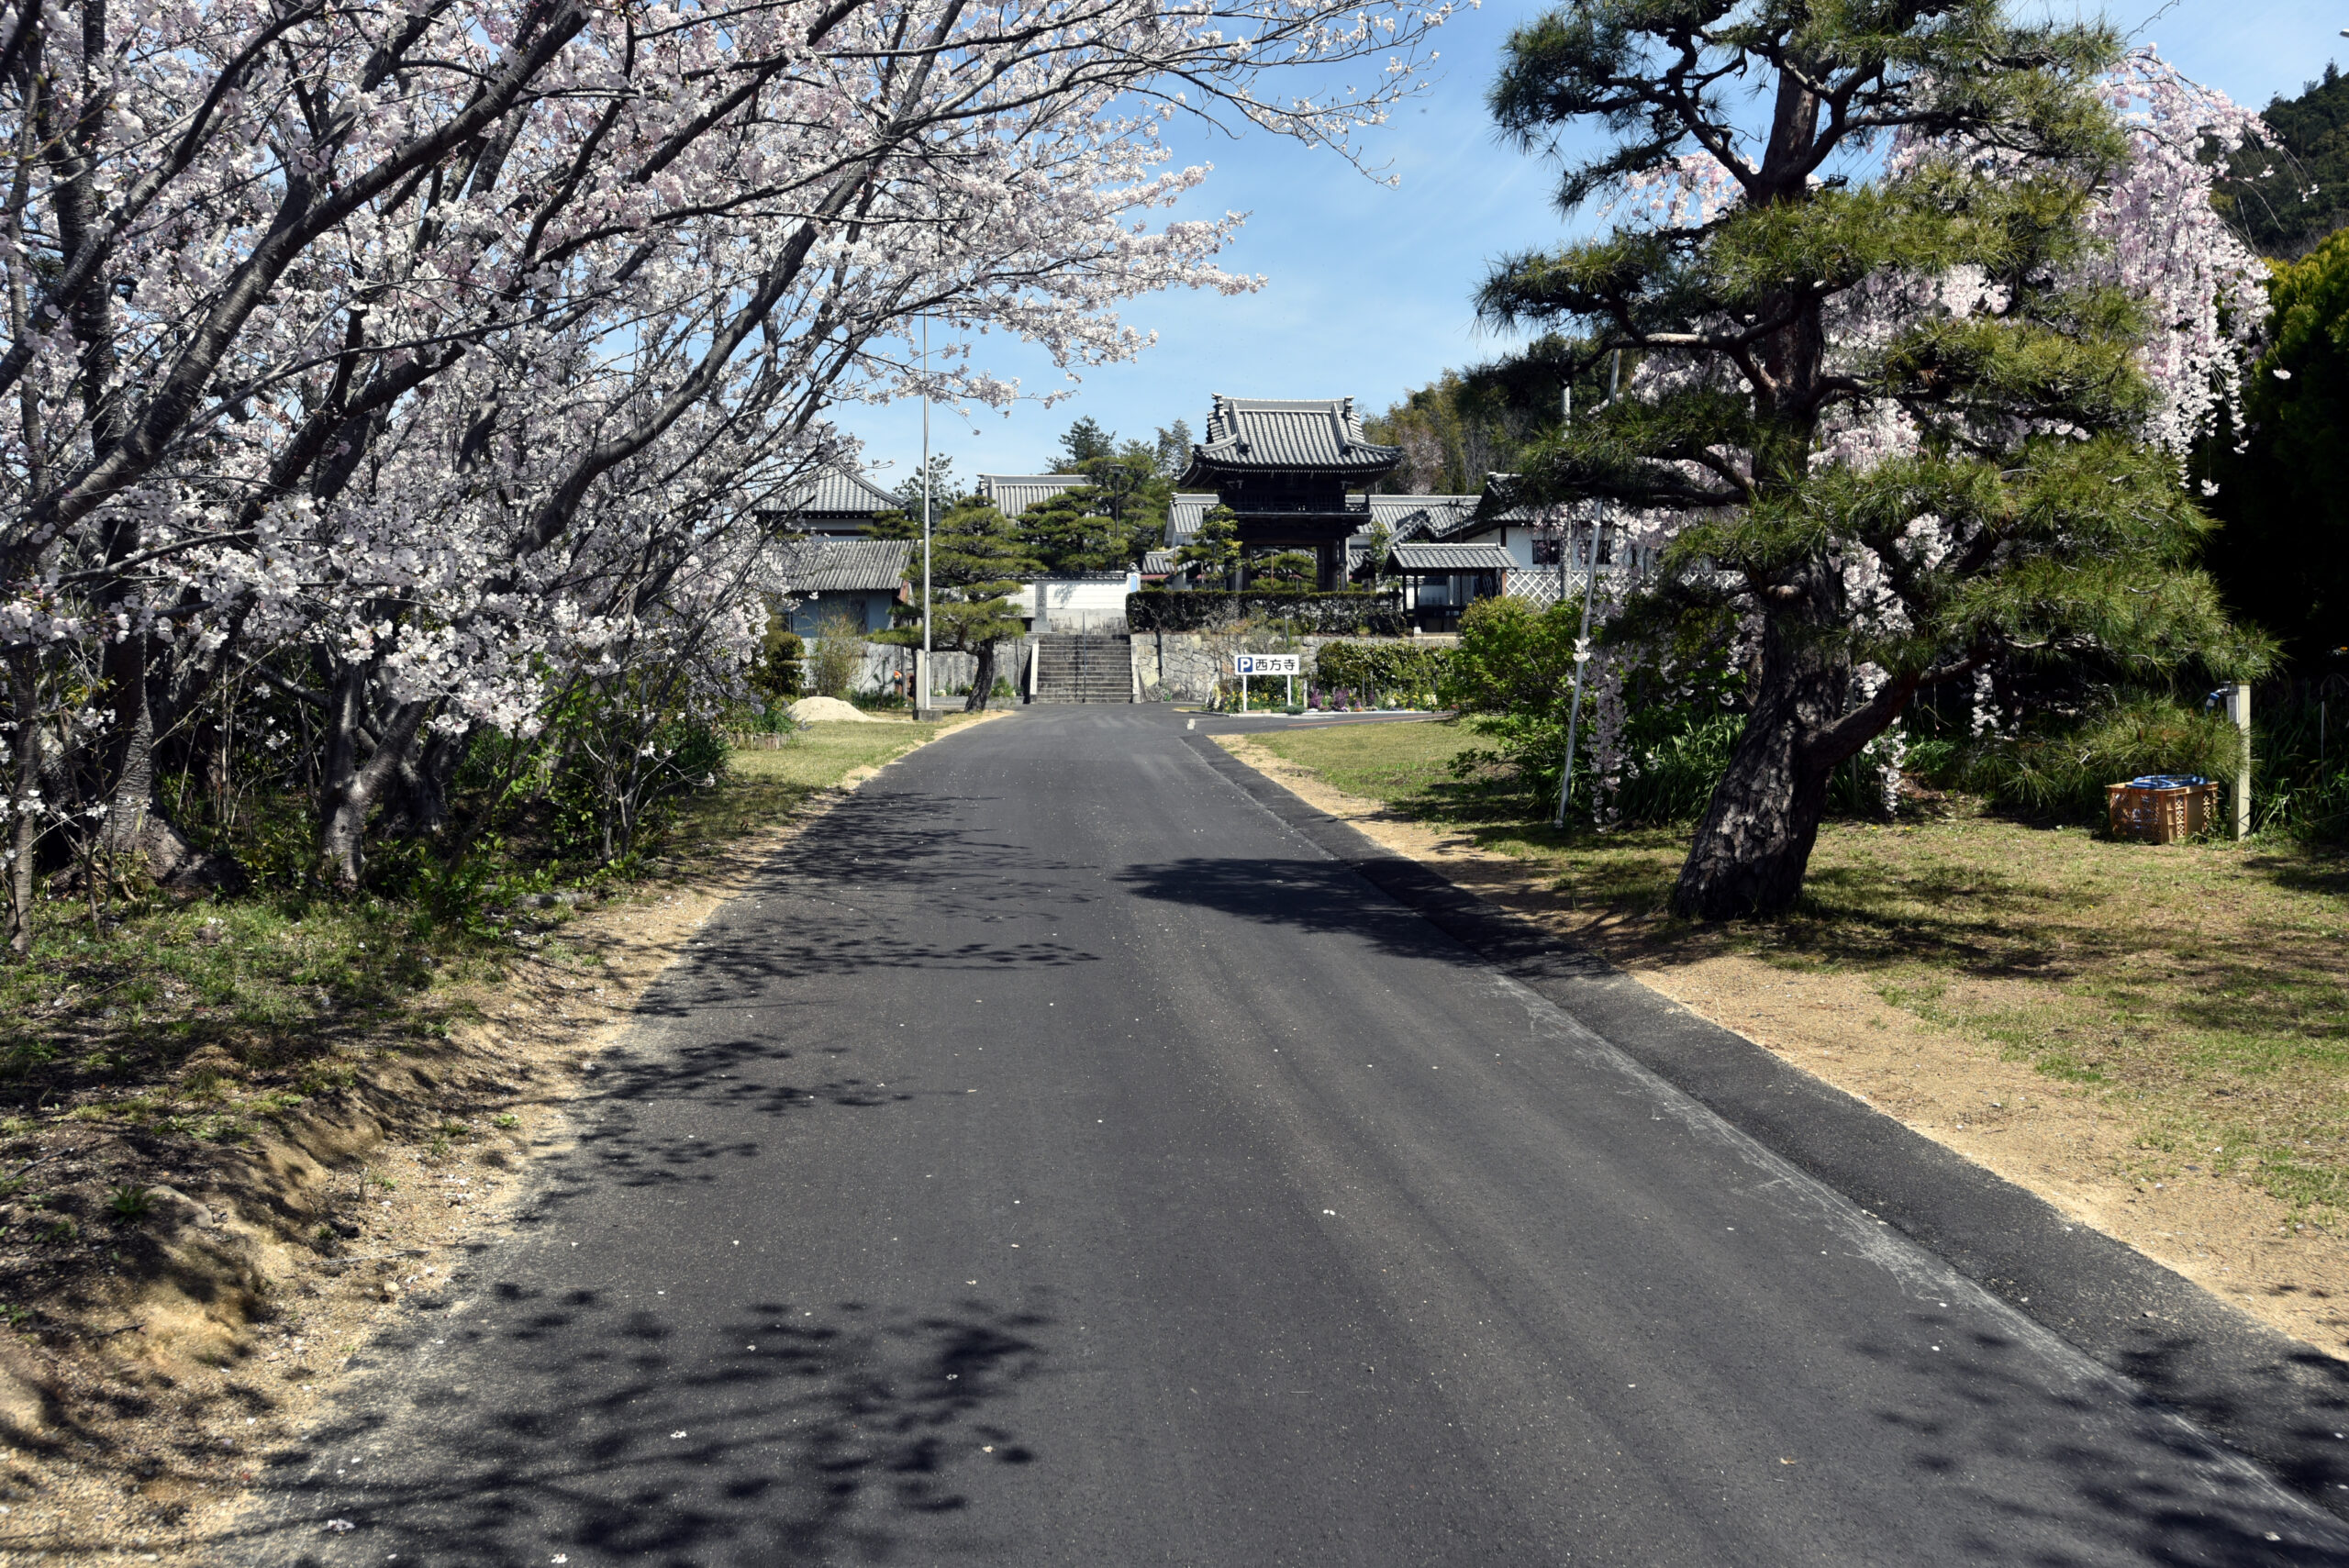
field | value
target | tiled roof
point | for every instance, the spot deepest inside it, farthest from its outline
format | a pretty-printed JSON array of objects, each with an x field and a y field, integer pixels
[
  {"x": 835, "y": 491},
  {"x": 1255, "y": 434},
  {"x": 1436, "y": 559},
  {"x": 1015, "y": 493},
  {"x": 1422, "y": 517},
  {"x": 846, "y": 565},
  {"x": 1159, "y": 564},
  {"x": 1184, "y": 513}
]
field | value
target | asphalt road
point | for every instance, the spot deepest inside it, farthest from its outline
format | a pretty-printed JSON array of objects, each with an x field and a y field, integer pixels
[{"x": 1059, "y": 1161}]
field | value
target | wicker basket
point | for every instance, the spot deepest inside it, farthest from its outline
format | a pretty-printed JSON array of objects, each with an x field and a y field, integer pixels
[{"x": 2161, "y": 814}]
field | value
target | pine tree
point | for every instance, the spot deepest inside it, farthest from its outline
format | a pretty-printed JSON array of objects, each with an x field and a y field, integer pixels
[
  {"x": 1082, "y": 442},
  {"x": 1291, "y": 569},
  {"x": 1895, "y": 425},
  {"x": 976, "y": 562},
  {"x": 1214, "y": 551},
  {"x": 944, "y": 491},
  {"x": 1075, "y": 531}
]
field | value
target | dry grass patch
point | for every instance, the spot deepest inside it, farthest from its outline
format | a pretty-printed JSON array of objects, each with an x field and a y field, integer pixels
[{"x": 2157, "y": 1039}]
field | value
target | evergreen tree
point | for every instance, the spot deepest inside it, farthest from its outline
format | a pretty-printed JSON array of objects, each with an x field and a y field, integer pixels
[
  {"x": 943, "y": 492},
  {"x": 977, "y": 563},
  {"x": 774, "y": 676},
  {"x": 1085, "y": 442},
  {"x": 1381, "y": 546},
  {"x": 1213, "y": 554},
  {"x": 1127, "y": 487},
  {"x": 1895, "y": 424},
  {"x": 1130, "y": 490},
  {"x": 1074, "y": 532},
  {"x": 1283, "y": 569},
  {"x": 1173, "y": 449}
]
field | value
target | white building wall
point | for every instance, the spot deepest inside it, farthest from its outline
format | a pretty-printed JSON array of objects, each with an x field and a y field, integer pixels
[{"x": 1081, "y": 603}]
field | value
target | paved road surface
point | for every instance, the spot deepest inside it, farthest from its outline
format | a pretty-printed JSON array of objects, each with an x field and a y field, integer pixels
[{"x": 1057, "y": 1161}]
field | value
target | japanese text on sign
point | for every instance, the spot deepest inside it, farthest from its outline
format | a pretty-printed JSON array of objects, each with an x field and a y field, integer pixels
[{"x": 1267, "y": 665}]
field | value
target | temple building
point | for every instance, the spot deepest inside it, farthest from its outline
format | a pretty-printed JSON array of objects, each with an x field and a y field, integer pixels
[
  {"x": 1298, "y": 475},
  {"x": 1294, "y": 472},
  {"x": 835, "y": 500},
  {"x": 1012, "y": 494}
]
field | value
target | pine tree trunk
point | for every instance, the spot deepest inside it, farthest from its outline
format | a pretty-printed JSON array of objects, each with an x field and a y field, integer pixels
[
  {"x": 982, "y": 680},
  {"x": 1755, "y": 841}
]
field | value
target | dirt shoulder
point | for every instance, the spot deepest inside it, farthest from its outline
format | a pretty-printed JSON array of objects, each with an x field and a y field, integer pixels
[
  {"x": 2069, "y": 1142},
  {"x": 137, "y": 1410}
]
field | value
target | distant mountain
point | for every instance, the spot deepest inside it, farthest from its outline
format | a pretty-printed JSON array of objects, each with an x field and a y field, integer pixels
[{"x": 2287, "y": 200}]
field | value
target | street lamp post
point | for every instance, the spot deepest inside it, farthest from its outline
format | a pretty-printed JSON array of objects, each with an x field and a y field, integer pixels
[{"x": 921, "y": 672}]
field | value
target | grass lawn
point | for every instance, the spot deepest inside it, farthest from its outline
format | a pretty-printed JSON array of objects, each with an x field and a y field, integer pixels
[
  {"x": 97, "y": 1019},
  {"x": 2201, "y": 988}
]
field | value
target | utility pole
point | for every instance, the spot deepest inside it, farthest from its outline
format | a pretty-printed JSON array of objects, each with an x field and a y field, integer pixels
[{"x": 1590, "y": 585}]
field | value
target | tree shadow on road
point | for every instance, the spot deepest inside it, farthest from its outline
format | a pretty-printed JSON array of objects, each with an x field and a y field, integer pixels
[
  {"x": 576, "y": 1422},
  {"x": 1319, "y": 896}
]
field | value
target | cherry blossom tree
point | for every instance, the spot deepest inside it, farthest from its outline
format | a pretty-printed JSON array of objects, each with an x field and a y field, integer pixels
[
  {"x": 413, "y": 365},
  {"x": 1922, "y": 305}
]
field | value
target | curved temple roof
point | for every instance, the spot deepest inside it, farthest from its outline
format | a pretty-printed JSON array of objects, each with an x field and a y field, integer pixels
[
  {"x": 1259, "y": 434},
  {"x": 1013, "y": 494},
  {"x": 834, "y": 491}
]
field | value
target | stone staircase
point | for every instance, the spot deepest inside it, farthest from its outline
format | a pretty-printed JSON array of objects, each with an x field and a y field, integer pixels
[{"x": 1071, "y": 667}]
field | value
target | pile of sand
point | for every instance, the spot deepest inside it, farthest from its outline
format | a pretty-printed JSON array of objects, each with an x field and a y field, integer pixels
[{"x": 829, "y": 710}]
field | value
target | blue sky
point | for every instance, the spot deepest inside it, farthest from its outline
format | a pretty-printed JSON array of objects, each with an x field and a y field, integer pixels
[{"x": 1369, "y": 284}]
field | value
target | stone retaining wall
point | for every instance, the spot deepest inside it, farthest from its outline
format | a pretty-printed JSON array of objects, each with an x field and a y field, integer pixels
[
  {"x": 1184, "y": 666},
  {"x": 880, "y": 660}
]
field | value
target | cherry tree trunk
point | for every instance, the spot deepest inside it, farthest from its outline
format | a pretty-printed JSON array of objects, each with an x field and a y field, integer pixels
[
  {"x": 137, "y": 835},
  {"x": 1755, "y": 841},
  {"x": 24, "y": 838},
  {"x": 350, "y": 789}
]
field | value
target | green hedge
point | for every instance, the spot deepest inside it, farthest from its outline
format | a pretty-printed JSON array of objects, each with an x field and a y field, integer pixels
[
  {"x": 1369, "y": 669},
  {"x": 1214, "y": 609}
]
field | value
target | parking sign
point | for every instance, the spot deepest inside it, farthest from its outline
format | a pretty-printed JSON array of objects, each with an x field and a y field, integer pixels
[{"x": 1267, "y": 665}]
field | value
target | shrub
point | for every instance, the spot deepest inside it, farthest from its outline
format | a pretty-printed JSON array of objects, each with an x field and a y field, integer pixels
[
  {"x": 1370, "y": 669},
  {"x": 776, "y": 676},
  {"x": 2300, "y": 773},
  {"x": 1512, "y": 677},
  {"x": 1354, "y": 611},
  {"x": 1675, "y": 756},
  {"x": 2064, "y": 775},
  {"x": 838, "y": 655},
  {"x": 626, "y": 764}
]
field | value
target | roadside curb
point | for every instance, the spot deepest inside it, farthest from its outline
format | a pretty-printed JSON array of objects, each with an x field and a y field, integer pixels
[{"x": 2282, "y": 1402}]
